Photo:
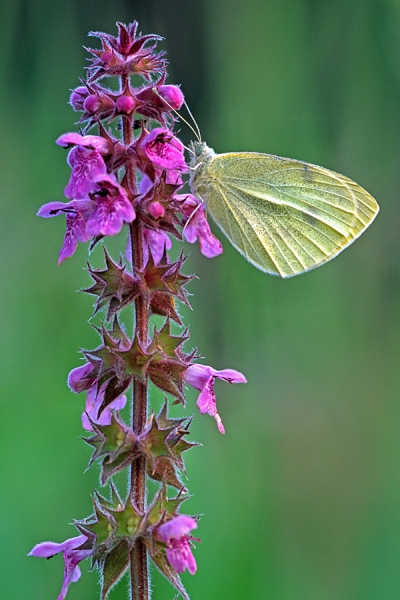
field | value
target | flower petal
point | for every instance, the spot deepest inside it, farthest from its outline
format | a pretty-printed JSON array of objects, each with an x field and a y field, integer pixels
[{"x": 175, "y": 528}]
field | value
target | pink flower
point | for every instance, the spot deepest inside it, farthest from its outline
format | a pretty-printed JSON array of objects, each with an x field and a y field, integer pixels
[
  {"x": 79, "y": 379},
  {"x": 86, "y": 166},
  {"x": 171, "y": 94},
  {"x": 78, "y": 97},
  {"x": 163, "y": 150},
  {"x": 197, "y": 226},
  {"x": 75, "y": 214},
  {"x": 72, "y": 556},
  {"x": 202, "y": 378},
  {"x": 112, "y": 207},
  {"x": 174, "y": 534},
  {"x": 94, "y": 400},
  {"x": 91, "y": 142},
  {"x": 156, "y": 241}
]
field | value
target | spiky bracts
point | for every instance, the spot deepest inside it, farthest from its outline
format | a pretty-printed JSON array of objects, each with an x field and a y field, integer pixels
[{"x": 127, "y": 174}]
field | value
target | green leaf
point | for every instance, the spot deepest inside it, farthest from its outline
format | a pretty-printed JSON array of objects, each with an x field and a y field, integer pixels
[{"x": 115, "y": 565}]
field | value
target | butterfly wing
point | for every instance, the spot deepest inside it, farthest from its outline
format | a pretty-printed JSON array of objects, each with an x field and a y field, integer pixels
[{"x": 285, "y": 216}]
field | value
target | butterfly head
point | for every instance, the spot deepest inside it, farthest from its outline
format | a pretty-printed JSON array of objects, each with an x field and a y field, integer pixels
[{"x": 200, "y": 153}]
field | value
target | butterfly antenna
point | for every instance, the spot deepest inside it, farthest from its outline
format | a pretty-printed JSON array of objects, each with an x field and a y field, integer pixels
[
  {"x": 194, "y": 121},
  {"x": 196, "y": 133},
  {"x": 200, "y": 204}
]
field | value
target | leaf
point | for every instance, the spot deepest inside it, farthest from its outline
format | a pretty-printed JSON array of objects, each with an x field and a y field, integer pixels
[{"x": 115, "y": 565}]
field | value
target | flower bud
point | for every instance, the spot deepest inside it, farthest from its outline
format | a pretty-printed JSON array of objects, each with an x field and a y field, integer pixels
[
  {"x": 92, "y": 104},
  {"x": 171, "y": 94},
  {"x": 156, "y": 210},
  {"x": 107, "y": 58},
  {"x": 78, "y": 98},
  {"x": 125, "y": 104}
]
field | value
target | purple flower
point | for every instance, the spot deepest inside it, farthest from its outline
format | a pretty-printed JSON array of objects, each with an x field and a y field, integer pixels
[
  {"x": 94, "y": 400},
  {"x": 163, "y": 150},
  {"x": 111, "y": 209},
  {"x": 78, "y": 97},
  {"x": 86, "y": 165},
  {"x": 171, "y": 94},
  {"x": 157, "y": 241},
  {"x": 91, "y": 142},
  {"x": 79, "y": 379},
  {"x": 174, "y": 534},
  {"x": 202, "y": 378},
  {"x": 72, "y": 556},
  {"x": 75, "y": 213},
  {"x": 197, "y": 226}
]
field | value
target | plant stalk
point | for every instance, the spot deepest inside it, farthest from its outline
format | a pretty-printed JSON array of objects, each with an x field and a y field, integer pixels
[{"x": 138, "y": 560}]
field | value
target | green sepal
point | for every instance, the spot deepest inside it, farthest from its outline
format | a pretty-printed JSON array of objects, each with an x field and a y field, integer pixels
[
  {"x": 99, "y": 528},
  {"x": 163, "y": 508},
  {"x": 110, "y": 467},
  {"x": 163, "y": 304},
  {"x": 166, "y": 343},
  {"x": 166, "y": 374},
  {"x": 154, "y": 442},
  {"x": 164, "y": 282},
  {"x": 163, "y": 445},
  {"x": 113, "y": 286},
  {"x": 165, "y": 471},
  {"x": 175, "y": 280},
  {"x": 115, "y": 387},
  {"x": 106, "y": 362},
  {"x": 160, "y": 560},
  {"x": 112, "y": 440},
  {"x": 153, "y": 275},
  {"x": 104, "y": 357},
  {"x": 115, "y": 501},
  {"x": 130, "y": 521},
  {"x": 118, "y": 333},
  {"x": 111, "y": 522},
  {"x": 115, "y": 564},
  {"x": 135, "y": 360}
]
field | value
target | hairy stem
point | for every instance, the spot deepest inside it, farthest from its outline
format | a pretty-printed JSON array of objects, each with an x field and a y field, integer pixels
[{"x": 138, "y": 561}]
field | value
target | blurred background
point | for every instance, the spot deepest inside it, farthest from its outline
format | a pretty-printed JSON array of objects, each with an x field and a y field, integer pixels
[{"x": 301, "y": 497}]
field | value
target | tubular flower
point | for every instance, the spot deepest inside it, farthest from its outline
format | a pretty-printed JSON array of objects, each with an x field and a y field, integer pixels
[
  {"x": 94, "y": 401},
  {"x": 111, "y": 209},
  {"x": 81, "y": 378},
  {"x": 202, "y": 378},
  {"x": 157, "y": 242},
  {"x": 163, "y": 150},
  {"x": 91, "y": 142},
  {"x": 197, "y": 227},
  {"x": 75, "y": 214},
  {"x": 86, "y": 165},
  {"x": 72, "y": 556},
  {"x": 174, "y": 534}
]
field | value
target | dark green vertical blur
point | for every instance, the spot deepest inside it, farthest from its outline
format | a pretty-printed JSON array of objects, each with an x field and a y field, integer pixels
[{"x": 301, "y": 498}]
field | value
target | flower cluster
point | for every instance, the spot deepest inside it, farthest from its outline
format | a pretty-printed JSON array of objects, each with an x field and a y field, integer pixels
[{"x": 131, "y": 176}]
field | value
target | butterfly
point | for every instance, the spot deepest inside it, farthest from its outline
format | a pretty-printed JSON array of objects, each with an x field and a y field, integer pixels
[{"x": 284, "y": 216}]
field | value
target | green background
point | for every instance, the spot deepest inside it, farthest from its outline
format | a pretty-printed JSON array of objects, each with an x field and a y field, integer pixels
[{"x": 301, "y": 497}]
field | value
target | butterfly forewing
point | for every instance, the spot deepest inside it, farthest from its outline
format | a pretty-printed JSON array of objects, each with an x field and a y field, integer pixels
[{"x": 285, "y": 216}]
